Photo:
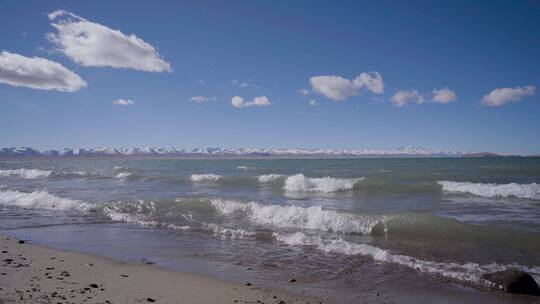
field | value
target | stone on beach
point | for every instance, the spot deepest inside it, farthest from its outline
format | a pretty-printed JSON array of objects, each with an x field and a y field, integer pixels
[{"x": 513, "y": 281}]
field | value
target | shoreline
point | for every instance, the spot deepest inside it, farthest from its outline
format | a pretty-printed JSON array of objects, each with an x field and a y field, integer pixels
[{"x": 38, "y": 274}]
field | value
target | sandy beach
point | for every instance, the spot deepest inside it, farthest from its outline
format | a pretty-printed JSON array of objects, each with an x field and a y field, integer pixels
[{"x": 37, "y": 274}]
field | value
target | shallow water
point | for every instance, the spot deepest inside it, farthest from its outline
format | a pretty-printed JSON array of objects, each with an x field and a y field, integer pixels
[{"x": 321, "y": 220}]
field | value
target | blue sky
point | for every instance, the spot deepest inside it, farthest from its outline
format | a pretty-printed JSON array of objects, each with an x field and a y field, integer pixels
[{"x": 272, "y": 49}]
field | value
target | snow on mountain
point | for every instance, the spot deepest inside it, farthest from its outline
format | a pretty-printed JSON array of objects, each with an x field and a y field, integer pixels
[{"x": 14, "y": 152}]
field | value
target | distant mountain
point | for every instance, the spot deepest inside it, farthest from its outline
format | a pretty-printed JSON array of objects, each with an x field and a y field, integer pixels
[
  {"x": 104, "y": 152},
  {"x": 482, "y": 154},
  {"x": 147, "y": 152}
]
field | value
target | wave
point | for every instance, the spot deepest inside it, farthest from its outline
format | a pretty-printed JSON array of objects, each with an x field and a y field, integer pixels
[
  {"x": 228, "y": 233},
  {"x": 247, "y": 168},
  {"x": 528, "y": 191},
  {"x": 25, "y": 173},
  {"x": 38, "y": 173},
  {"x": 145, "y": 213},
  {"x": 205, "y": 177},
  {"x": 311, "y": 218},
  {"x": 300, "y": 183},
  {"x": 268, "y": 178},
  {"x": 75, "y": 174},
  {"x": 123, "y": 175},
  {"x": 471, "y": 272},
  {"x": 41, "y": 200},
  {"x": 139, "y": 213},
  {"x": 140, "y": 220}
]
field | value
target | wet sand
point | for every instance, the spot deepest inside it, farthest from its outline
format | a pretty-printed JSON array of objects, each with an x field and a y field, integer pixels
[{"x": 37, "y": 274}]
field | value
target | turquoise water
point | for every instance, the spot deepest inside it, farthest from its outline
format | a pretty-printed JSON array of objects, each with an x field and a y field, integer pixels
[{"x": 447, "y": 218}]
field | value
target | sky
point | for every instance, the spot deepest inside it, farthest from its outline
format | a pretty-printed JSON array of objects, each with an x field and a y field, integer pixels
[{"x": 454, "y": 75}]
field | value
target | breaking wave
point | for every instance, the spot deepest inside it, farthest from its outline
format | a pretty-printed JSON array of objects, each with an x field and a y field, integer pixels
[
  {"x": 470, "y": 272},
  {"x": 205, "y": 177},
  {"x": 300, "y": 183},
  {"x": 529, "y": 191},
  {"x": 25, "y": 173},
  {"x": 41, "y": 200},
  {"x": 123, "y": 175},
  {"x": 267, "y": 178},
  {"x": 311, "y": 218}
]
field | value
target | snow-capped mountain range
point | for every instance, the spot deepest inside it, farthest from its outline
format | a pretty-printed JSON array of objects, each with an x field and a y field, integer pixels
[{"x": 17, "y": 152}]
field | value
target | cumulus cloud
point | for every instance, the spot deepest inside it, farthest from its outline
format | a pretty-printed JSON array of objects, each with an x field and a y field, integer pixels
[
  {"x": 401, "y": 98},
  {"x": 92, "y": 44},
  {"x": 202, "y": 99},
  {"x": 372, "y": 81},
  {"x": 37, "y": 73},
  {"x": 502, "y": 96},
  {"x": 261, "y": 101},
  {"x": 313, "y": 103},
  {"x": 339, "y": 88},
  {"x": 443, "y": 96},
  {"x": 123, "y": 102},
  {"x": 333, "y": 87}
]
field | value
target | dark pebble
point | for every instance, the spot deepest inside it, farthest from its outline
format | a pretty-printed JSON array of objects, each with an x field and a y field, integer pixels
[{"x": 150, "y": 300}]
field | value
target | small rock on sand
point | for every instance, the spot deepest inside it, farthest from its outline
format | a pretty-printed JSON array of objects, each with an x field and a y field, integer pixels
[{"x": 513, "y": 281}]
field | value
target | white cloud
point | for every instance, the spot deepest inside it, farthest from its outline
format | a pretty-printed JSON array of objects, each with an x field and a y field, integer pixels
[
  {"x": 123, "y": 102},
  {"x": 501, "y": 96},
  {"x": 92, "y": 44},
  {"x": 401, "y": 98},
  {"x": 304, "y": 92},
  {"x": 313, "y": 103},
  {"x": 372, "y": 81},
  {"x": 261, "y": 101},
  {"x": 37, "y": 73},
  {"x": 239, "y": 83},
  {"x": 202, "y": 99},
  {"x": 245, "y": 83},
  {"x": 333, "y": 87},
  {"x": 443, "y": 96},
  {"x": 339, "y": 88}
]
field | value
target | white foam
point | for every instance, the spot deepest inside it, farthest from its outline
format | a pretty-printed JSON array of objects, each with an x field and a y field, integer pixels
[
  {"x": 139, "y": 213},
  {"x": 312, "y": 218},
  {"x": 471, "y": 272},
  {"x": 300, "y": 183},
  {"x": 331, "y": 245},
  {"x": 141, "y": 220},
  {"x": 82, "y": 173},
  {"x": 41, "y": 200},
  {"x": 229, "y": 233},
  {"x": 205, "y": 177},
  {"x": 530, "y": 191},
  {"x": 25, "y": 173},
  {"x": 123, "y": 175},
  {"x": 267, "y": 178}
]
